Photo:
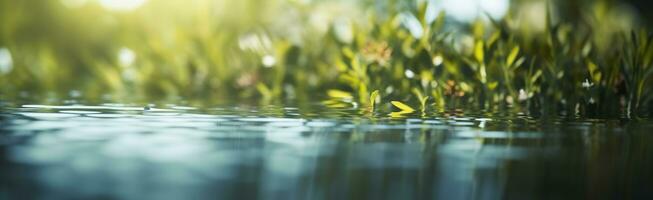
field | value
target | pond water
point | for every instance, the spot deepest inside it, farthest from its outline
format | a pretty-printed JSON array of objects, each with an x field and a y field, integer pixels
[{"x": 116, "y": 151}]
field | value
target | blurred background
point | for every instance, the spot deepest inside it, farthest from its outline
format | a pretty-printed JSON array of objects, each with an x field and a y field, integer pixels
[{"x": 248, "y": 49}]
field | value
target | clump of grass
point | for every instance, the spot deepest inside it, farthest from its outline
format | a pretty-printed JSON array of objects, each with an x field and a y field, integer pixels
[
  {"x": 636, "y": 68},
  {"x": 558, "y": 72}
]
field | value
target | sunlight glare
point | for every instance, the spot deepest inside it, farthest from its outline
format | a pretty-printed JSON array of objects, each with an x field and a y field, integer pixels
[
  {"x": 73, "y": 3},
  {"x": 122, "y": 5},
  {"x": 468, "y": 10}
]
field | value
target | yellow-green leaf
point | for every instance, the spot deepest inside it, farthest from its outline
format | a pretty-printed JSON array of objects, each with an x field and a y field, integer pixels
[
  {"x": 519, "y": 62},
  {"x": 479, "y": 54},
  {"x": 492, "y": 85},
  {"x": 335, "y": 104},
  {"x": 512, "y": 56},
  {"x": 466, "y": 87},
  {"x": 426, "y": 75},
  {"x": 494, "y": 38},
  {"x": 341, "y": 66},
  {"x": 403, "y": 107},
  {"x": 373, "y": 98},
  {"x": 592, "y": 67},
  {"x": 339, "y": 94},
  {"x": 422, "y": 99},
  {"x": 418, "y": 93},
  {"x": 264, "y": 90},
  {"x": 362, "y": 93},
  {"x": 593, "y": 70},
  {"x": 478, "y": 29},
  {"x": 348, "y": 52},
  {"x": 536, "y": 76},
  {"x": 439, "y": 22},
  {"x": 399, "y": 114}
]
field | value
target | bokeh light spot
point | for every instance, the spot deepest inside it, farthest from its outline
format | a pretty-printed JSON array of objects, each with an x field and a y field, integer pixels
[{"x": 6, "y": 63}]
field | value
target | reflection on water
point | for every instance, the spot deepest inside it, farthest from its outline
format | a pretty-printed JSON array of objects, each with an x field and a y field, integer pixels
[{"x": 117, "y": 151}]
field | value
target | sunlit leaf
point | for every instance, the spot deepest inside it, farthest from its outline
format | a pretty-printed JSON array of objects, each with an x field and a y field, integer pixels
[
  {"x": 348, "y": 52},
  {"x": 362, "y": 93},
  {"x": 356, "y": 66},
  {"x": 373, "y": 98},
  {"x": 465, "y": 87},
  {"x": 587, "y": 48},
  {"x": 339, "y": 94},
  {"x": 492, "y": 85},
  {"x": 400, "y": 114},
  {"x": 335, "y": 104},
  {"x": 349, "y": 79},
  {"x": 593, "y": 71},
  {"x": 479, "y": 53},
  {"x": 536, "y": 76},
  {"x": 264, "y": 90},
  {"x": 519, "y": 62},
  {"x": 402, "y": 106},
  {"x": 417, "y": 93},
  {"x": 483, "y": 73},
  {"x": 478, "y": 29},
  {"x": 342, "y": 67},
  {"x": 422, "y": 99},
  {"x": 512, "y": 56}
]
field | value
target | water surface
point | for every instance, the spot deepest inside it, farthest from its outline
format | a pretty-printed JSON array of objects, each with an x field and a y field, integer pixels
[{"x": 118, "y": 151}]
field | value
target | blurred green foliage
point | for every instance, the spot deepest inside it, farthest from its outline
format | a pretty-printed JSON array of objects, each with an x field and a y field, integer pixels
[{"x": 576, "y": 58}]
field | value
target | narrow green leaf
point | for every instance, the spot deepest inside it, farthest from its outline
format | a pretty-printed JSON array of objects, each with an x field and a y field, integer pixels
[
  {"x": 512, "y": 56},
  {"x": 332, "y": 103},
  {"x": 264, "y": 90},
  {"x": 362, "y": 93},
  {"x": 479, "y": 54},
  {"x": 439, "y": 22},
  {"x": 633, "y": 37},
  {"x": 519, "y": 62},
  {"x": 494, "y": 38},
  {"x": 536, "y": 76},
  {"x": 399, "y": 114},
  {"x": 548, "y": 20},
  {"x": 341, "y": 66},
  {"x": 373, "y": 98},
  {"x": 348, "y": 52},
  {"x": 403, "y": 107},
  {"x": 422, "y": 99},
  {"x": 593, "y": 71},
  {"x": 417, "y": 93},
  {"x": 356, "y": 66},
  {"x": 339, "y": 94}
]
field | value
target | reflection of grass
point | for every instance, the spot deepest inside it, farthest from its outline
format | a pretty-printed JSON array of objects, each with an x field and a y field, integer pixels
[
  {"x": 403, "y": 109},
  {"x": 291, "y": 51}
]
